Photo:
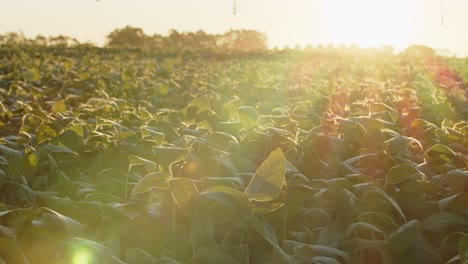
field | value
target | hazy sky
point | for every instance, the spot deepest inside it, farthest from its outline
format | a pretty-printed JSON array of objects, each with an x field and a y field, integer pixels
[{"x": 285, "y": 22}]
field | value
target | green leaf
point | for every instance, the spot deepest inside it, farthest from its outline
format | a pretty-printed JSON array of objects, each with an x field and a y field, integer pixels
[
  {"x": 152, "y": 180},
  {"x": 358, "y": 244},
  {"x": 32, "y": 75},
  {"x": 12, "y": 158},
  {"x": 198, "y": 105},
  {"x": 135, "y": 160},
  {"x": 261, "y": 225},
  {"x": 444, "y": 220},
  {"x": 73, "y": 138},
  {"x": 402, "y": 173},
  {"x": 362, "y": 227},
  {"x": 183, "y": 190},
  {"x": 12, "y": 251},
  {"x": 90, "y": 251},
  {"x": 378, "y": 192},
  {"x": 57, "y": 223},
  {"x": 402, "y": 239},
  {"x": 59, "y": 149},
  {"x": 398, "y": 144},
  {"x": 202, "y": 231},
  {"x": 223, "y": 204},
  {"x": 439, "y": 153},
  {"x": 152, "y": 132},
  {"x": 44, "y": 133},
  {"x": 59, "y": 107},
  {"x": 455, "y": 202},
  {"x": 308, "y": 251},
  {"x": 248, "y": 116},
  {"x": 168, "y": 155},
  {"x": 457, "y": 180},
  {"x": 268, "y": 180}
]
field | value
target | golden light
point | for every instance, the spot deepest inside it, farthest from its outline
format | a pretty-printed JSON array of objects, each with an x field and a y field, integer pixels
[
  {"x": 82, "y": 256},
  {"x": 369, "y": 22}
]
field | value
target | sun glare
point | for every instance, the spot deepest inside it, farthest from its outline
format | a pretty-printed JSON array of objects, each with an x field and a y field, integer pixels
[
  {"x": 82, "y": 256},
  {"x": 368, "y": 22}
]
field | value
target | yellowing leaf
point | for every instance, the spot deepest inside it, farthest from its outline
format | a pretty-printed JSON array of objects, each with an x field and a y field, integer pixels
[
  {"x": 59, "y": 107},
  {"x": 268, "y": 180}
]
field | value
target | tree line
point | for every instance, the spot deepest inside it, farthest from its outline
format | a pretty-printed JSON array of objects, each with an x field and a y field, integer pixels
[{"x": 233, "y": 41}]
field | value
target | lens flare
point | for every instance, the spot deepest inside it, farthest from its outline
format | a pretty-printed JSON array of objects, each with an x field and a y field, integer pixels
[{"x": 82, "y": 256}]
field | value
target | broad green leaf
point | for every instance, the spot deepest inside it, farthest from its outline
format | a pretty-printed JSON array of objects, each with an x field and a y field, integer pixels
[
  {"x": 135, "y": 160},
  {"x": 222, "y": 141},
  {"x": 18, "y": 193},
  {"x": 248, "y": 116},
  {"x": 308, "y": 251},
  {"x": 402, "y": 173},
  {"x": 444, "y": 220},
  {"x": 399, "y": 144},
  {"x": 202, "y": 231},
  {"x": 381, "y": 220},
  {"x": 158, "y": 180},
  {"x": 90, "y": 251},
  {"x": 17, "y": 218},
  {"x": 138, "y": 256},
  {"x": 198, "y": 105},
  {"x": 358, "y": 244},
  {"x": 455, "y": 202},
  {"x": 268, "y": 180},
  {"x": 12, "y": 251},
  {"x": 402, "y": 239},
  {"x": 232, "y": 128},
  {"x": 12, "y": 157},
  {"x": 183, "y": 190},
  {"x": 362, "y": 227},
  {"x": 457, "y": 180},
  {"x": 59, "y": 149},
  {"x": 210, "y": 182},
  {"x": 57, "y": 223},
  {"x": 387, "y": 197},
  {"x": 261, "y": 225},
  {"x": 439, "y": 153},
  {"x": 44, "y": 133},
  {"x": 168, "y": 155},
  {"x": 223, "y": 204},
  {"x": 32, "y": 75},
  {"x": 59, "y": 107},
  {"x": 152, "y": 132},
  {"x": 73, "y": 138}
]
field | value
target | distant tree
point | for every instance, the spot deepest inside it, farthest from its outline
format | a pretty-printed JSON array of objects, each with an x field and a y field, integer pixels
[
  {"x": 40, "y": 40},
  {"x": 243, "y": 41},
  {"x": 61, "y": 40},
  {"x": 419, "y": 51},
  {"x": 127, "y": 37},
  {"x": 12, "y": 38}
]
